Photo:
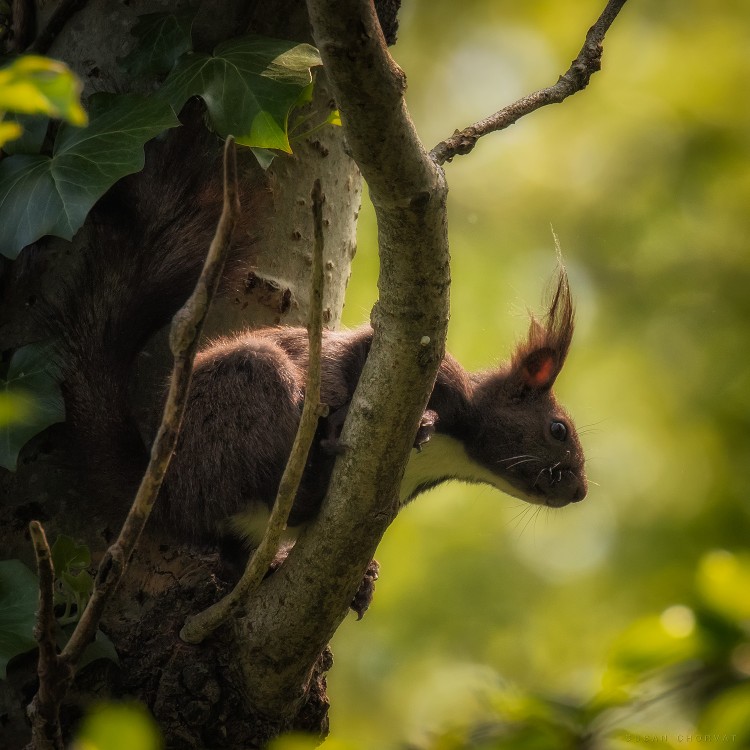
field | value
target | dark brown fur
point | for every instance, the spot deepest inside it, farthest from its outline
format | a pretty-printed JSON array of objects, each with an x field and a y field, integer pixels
[{"x": 247, "y": 395}]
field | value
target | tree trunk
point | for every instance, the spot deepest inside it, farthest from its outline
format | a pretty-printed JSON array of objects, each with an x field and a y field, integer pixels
[{"x": 197, "y": 694}]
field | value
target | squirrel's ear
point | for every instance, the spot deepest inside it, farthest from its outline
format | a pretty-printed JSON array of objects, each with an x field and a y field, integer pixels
[
  {"x": 538, "y": 360},
  {"x": 539, "y": 369}
]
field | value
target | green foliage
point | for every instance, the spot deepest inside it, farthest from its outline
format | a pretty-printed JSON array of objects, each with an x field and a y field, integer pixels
[
  {"x": 30, "y": 400},
  {"x": 249, "y": 85},
  {"x": 18, "y": 602},
  {"x": 84, "y": 164},
  {"x": 19, "y": 592},
  {"x": 73, "y": 582},
  {"x": 118, "y": 726},
  {"x": 39, "y": 86},
  {"x": 162, "y": 39}
]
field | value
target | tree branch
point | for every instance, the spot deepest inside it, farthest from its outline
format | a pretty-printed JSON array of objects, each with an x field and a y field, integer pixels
[
  {"x": 235, "y": 603},
  {"x": 575, "y": 79},
  {"x": 185, "y": 332},
  {"x": 410, "y": 324},
  {"x": 44, "y": 709}
]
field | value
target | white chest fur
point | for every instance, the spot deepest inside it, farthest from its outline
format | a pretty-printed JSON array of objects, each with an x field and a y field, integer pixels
[{"x": 442, "y": 458}]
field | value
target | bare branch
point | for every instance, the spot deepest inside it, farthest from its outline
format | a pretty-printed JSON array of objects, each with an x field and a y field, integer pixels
[
  {"x": 44, "y": 709},
  {"x": 575, "y": 79},
  {"x": 235, "y": 603}
]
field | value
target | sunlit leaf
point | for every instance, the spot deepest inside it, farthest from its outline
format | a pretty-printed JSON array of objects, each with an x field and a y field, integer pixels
[
  {"x": 723, "y": 582},
  {"x": 118, "y": 726},
  {"x": 18, "y": 603},
  {"x": 728, "y": 716},
  {"x": 31, "y": 384},
  {"x": 38, "y": 85},
  {"x": 651, "y": 643},
  {"x": 42, "y": 195},
  {"x": 162, "y": 39},
  {"x": 249, "y": 85}
]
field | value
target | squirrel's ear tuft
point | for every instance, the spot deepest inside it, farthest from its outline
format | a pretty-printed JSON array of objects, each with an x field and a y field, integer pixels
[{"x": 537, "y": 362}]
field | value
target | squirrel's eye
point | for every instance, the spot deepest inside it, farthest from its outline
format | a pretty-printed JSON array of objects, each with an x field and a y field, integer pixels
[{"x": 558, "y": 431}]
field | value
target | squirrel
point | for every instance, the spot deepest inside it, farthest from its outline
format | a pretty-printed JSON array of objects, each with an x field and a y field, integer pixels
[{"x": 501, "y": 427}]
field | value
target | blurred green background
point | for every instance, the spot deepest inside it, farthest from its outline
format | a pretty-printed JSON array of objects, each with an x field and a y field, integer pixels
[{"x": 486, "y": 606}]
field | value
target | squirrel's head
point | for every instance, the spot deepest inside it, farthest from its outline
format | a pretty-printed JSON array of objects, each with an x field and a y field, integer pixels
[{"x": 524, "y": 435}]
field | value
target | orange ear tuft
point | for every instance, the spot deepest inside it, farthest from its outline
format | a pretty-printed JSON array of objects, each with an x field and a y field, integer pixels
[{"x": 539, "y": 368}]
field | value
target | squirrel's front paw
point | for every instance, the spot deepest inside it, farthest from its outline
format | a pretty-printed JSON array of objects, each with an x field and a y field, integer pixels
[
  {"x": 363, "y": 598},
  {"x": 426, "y": 428}
]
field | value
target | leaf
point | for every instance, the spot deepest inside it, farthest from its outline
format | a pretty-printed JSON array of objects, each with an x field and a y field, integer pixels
[
  {"x": 118, "y": 726},
  {"x": 68, "y": 556},
  {"x": 723, "y": 582},
  {"x": 9, "y": 131},
  {"x": 81, "y": 584},
  {"x": 654, "y": 642},
  {"x": 249, "y": 86},
  {"x": 38, "y": 85},
  {"x": 18, "y": 603},
  {"x": 727, "y": 715},
  {"x": 14, "y": 408},
  {"x": 31, "y": 383},
  {"x": 264, "y": 157},
  {"x": 34, "y": 130},
  {"x": 42, "y": 195},
  {"x": 162, "y": 39}
]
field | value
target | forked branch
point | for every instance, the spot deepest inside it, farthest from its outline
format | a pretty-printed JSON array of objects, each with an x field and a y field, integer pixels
[{"x": 575, "y": 79}]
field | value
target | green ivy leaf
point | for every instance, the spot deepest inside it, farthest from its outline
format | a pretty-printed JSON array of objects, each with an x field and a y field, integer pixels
[
  {"x": 38, "y": 85},
  {"x": 31, "y": 383},
  {"x": 68, "y": 556},
  {"x": 42, "y": 195},
  {"x": 162, "y": 39},
  {"x": 81, "y": 584},
  {"x": 18, "y": 603},
  {"x": 250, "y": 84}
]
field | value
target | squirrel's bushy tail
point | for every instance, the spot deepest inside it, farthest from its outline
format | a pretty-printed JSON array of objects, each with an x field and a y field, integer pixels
[{"x": 147, "y": 240}]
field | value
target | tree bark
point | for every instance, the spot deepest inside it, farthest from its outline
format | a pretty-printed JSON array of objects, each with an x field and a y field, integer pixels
[{"x": 197, "y": 694}]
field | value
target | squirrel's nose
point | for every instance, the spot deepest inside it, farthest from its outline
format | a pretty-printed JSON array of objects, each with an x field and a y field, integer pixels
[{"x": 580, "y": 492}]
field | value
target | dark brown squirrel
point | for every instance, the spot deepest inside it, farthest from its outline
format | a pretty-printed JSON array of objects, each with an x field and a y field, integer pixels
[{"x": 501, "y": 427}]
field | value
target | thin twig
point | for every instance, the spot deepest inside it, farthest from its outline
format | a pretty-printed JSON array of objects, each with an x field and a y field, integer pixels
[
  {"x": 575, "y": 79},
  {"x": 186, "y": 328},
  {"x": 44, "y": 709},
  {"x": 234, "y": 604}
]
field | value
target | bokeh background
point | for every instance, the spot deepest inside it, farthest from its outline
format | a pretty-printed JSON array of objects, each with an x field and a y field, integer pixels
[{"x": 626, "y": 615}]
